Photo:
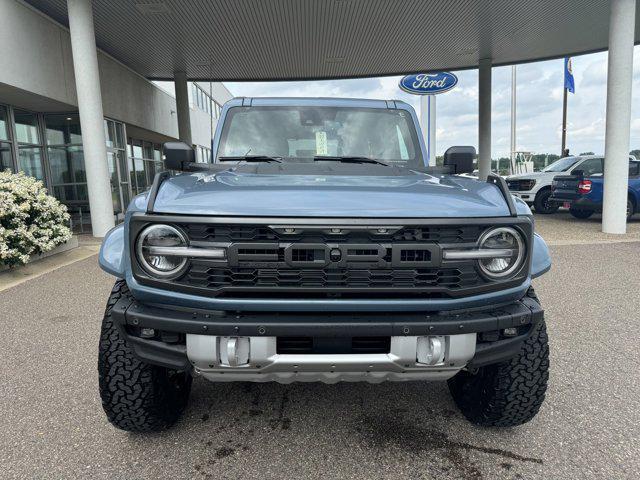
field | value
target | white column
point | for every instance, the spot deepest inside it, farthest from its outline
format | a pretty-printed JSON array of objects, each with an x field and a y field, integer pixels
[
  {"x": 616, "y": 149},
  {"x": 182, "y": 107},
  {"x": 428, "y": 126},
  {"x": 85, "y": 64},
  {"x": 484, "y": 118}
]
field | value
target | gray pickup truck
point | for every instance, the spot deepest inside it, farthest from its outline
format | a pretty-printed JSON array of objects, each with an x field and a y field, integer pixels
[{"x": 318, "y": 246}]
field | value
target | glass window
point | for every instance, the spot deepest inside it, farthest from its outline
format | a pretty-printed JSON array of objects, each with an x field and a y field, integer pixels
[
  {"x": 634, "y": 169},
  {"x": 299, "y": 133},
  {"x": 590, "y": 167},
  {"x": 562, "y": 165},
  {"x": 111, "y": 134},
  {"x": 119, "y": 135},
  {"x": 4, "y": 123},
  {"x": 6, "y": 162},
  {"x": 30, "y": 161},
  {"x": 66, "y": 165},
  {"x": 26, "y": 127},
  {"x": 157, "y": 153},
  {"x": 136, "y": 149},
  {"x": 63, "y": 129},
  {"x": 147, "y": 150}
]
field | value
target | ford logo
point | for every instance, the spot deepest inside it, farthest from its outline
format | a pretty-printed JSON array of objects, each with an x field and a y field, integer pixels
[{"x": 428, "y": 83}]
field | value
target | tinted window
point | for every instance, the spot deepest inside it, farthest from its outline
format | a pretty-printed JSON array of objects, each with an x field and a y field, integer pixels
[
  {"x": 634, "y": 169},
  {"x": 590, "y": 167}
]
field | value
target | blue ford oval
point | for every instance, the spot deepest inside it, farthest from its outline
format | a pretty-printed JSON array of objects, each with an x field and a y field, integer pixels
[{"x": 428, "y": 83}]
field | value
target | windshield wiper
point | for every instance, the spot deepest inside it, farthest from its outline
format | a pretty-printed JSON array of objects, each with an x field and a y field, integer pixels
[
  {"x": 250, "y": 158},
  {"x": 347, "y": 159}
]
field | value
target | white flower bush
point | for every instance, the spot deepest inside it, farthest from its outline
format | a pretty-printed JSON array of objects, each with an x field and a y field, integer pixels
[{"x": 31, "y": 221}]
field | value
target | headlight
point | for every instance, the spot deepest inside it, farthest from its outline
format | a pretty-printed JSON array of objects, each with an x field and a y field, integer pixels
[
  {"x": 152, "y": 247},
  {"x": 510, "y": 252}
]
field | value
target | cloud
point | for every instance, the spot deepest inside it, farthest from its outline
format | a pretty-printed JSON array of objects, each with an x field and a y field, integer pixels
[{"x": 539, "y": 104}]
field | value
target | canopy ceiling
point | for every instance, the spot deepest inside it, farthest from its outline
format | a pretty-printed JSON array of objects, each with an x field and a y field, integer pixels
[{"x": 311, "y": 39}]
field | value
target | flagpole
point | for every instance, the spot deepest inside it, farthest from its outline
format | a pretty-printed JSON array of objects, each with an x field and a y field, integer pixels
[{"x": 564, "y": 121}]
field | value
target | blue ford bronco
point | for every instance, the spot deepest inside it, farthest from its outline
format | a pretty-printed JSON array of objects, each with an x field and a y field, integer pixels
[{"x": 318, "y": 246}]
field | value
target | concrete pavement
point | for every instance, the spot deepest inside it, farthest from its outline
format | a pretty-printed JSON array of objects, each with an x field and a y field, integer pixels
[{"x": 589, "y": 427}]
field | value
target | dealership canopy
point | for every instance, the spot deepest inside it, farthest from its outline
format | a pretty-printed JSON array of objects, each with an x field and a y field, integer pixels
[
  {"x": 307, "y": 39},
  {"x": 252, "y": 40}
]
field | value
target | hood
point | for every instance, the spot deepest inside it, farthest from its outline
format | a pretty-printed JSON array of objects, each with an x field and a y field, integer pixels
[
  {"x": 407, "y": 194},
  {"x": 533, "y": 175}
]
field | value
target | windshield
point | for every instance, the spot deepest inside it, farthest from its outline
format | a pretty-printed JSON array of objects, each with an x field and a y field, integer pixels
[
  {"x": 302, "y": 133},
  {"x": 562, "y": 165}
]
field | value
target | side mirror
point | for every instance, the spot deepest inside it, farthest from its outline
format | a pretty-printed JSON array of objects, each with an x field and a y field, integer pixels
[
  {"x": 460, "y": 159},
  {"x": 578, "y": 173},
  {"x": 178, "y": 156}
]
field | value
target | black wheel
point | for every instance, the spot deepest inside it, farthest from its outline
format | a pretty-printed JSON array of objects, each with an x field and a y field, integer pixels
[
  {"x": 508, "y": 393},
  {"x": 630, "y": 208},
  {"x": 136, "y": 396},
  {"x": 542, "y": 205},
  {"x": 581, "y": 214}
]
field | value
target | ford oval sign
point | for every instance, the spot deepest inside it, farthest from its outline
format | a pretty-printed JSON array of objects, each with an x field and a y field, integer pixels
[{"x": 428, "y": 83}]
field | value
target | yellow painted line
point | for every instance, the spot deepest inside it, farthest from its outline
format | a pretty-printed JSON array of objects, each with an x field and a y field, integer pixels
[{"x": 18, "y": 275}]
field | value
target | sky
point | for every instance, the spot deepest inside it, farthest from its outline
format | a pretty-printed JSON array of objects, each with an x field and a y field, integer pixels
[{"x": 539, "y": 104}]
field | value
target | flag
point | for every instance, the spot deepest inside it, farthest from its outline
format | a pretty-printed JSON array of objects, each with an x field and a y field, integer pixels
[{"x": 568, "y": 76}]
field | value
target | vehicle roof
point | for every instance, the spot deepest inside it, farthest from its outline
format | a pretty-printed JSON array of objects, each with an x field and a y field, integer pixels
[{"x": 318, "y": 102}]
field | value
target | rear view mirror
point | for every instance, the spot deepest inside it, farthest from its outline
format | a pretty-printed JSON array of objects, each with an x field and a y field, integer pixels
[
  {"x": 459, "y": 159},
  {"x": 178, "y": 156}
]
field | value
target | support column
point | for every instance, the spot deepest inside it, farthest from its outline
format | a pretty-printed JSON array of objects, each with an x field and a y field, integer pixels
[
  {"x": 182, "y": 107},
  {"x": 428, "y": 125},
  {"x": 87, "y": 77},
  {"x": 484, "y": 118},
  {"x": 619, "y": 82}
]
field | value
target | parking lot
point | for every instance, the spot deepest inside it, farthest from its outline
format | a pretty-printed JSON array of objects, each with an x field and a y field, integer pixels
[{"x": 589, "y": 427}]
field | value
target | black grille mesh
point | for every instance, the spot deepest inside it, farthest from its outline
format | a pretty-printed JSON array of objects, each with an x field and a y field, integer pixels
[
  {"x": 205, "y": 276},
  {"x": 257, "y": 233}
]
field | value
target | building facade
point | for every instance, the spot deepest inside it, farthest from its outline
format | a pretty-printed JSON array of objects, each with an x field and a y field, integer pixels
[{"x": 40, "y": 131}]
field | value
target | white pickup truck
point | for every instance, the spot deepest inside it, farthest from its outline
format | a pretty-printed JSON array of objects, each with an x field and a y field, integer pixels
[{"x": 535, "y": 187}]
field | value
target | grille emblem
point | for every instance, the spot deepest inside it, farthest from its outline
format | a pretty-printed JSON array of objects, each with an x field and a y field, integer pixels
[{"x": 335, "y": 255}]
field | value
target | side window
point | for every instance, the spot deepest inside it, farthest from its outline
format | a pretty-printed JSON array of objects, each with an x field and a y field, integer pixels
[
  {"x": 634, "y": 169},
  {"x": 591, "y": 167}
]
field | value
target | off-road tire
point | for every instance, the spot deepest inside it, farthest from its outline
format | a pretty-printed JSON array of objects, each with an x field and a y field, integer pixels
[
  {"x": 581, "y": 214},
  {"x": 509, "y": 393},
  {"x": 541, "y": 204},
  {"x": 136, "y": 396}
]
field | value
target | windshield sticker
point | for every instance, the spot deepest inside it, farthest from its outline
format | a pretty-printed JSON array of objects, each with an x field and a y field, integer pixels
[{"x": 321, "y": 143}]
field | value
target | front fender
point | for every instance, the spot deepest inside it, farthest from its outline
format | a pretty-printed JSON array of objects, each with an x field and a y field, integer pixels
[
  {"x": 541, "y": 261},
  {"x": 111, "y": 258}
]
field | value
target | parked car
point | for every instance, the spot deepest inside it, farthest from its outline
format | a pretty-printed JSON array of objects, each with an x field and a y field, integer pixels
[
  {"x": 582, "y": 192},
  {"x": 535, "y": 187},
  {"x": 319, "y": 247}
]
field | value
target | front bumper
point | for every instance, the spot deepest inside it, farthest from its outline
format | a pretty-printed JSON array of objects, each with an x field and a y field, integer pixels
[
  {"x": 190, "y": 339},
  {"x": 527, "y": 196}
]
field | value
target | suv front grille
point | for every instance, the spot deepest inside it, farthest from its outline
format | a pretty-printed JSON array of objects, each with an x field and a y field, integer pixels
[
  {"x": 341, "y": 260},
  {"x": 204, "y": 276}
]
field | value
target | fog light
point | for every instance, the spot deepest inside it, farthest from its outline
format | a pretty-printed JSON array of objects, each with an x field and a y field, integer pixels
[
  {"x": 430, "y": 350},
  {"x": 147, "y": 333},
  {"x": 234, "y": 351},
  {"x": 510, "y": 332}
]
